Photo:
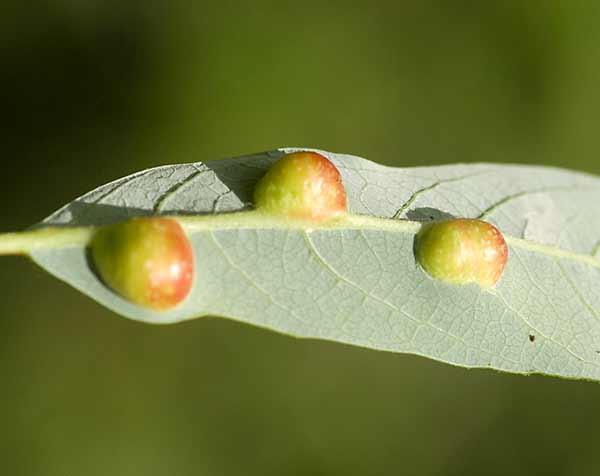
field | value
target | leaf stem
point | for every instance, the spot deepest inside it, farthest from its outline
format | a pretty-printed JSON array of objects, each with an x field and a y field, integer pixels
[
  {"x": 64, "y": 237},
  {"x": 24, "y": 242}
]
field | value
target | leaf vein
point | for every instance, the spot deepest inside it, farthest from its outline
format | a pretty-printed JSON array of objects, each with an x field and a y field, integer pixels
[
  {"x": 515, "y": 196},
  {"x": 366, "y": 294},
  {"x": 251, "y": 281},
  {"x": 428, "y": 188},
  {"x": 176, "y": 188}
]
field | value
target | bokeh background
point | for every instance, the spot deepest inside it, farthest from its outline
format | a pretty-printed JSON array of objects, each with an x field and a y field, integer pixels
[{"x": 95, "y": 90}]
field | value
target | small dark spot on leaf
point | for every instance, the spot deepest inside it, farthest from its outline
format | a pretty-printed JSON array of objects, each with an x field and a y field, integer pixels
[{"x": 531, "y": 338}]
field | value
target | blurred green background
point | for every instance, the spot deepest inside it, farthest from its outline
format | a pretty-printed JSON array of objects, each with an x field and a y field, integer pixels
[{"x": 95, "y": 90}]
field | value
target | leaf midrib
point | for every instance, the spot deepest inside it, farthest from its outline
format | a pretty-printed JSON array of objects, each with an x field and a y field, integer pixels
[
  {"x": 257, "y": 220},
  {"x": 65, "y": 237}
]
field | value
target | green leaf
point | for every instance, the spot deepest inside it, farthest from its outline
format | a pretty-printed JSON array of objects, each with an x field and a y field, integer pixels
[{"x": 356, "y": 281}]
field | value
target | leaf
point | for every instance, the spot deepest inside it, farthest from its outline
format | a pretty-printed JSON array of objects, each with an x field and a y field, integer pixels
[{"x": 358, "y": 283}]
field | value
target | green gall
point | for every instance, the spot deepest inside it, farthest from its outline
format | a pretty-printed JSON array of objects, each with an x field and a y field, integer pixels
[
  {"x": 303, "y": 185},
  {"x": 149, "y": 261},
  {"x": 462, "y": 251}
]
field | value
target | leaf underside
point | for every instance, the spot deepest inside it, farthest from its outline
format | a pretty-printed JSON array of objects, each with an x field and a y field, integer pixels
[{"x": 361, "y": 286}]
